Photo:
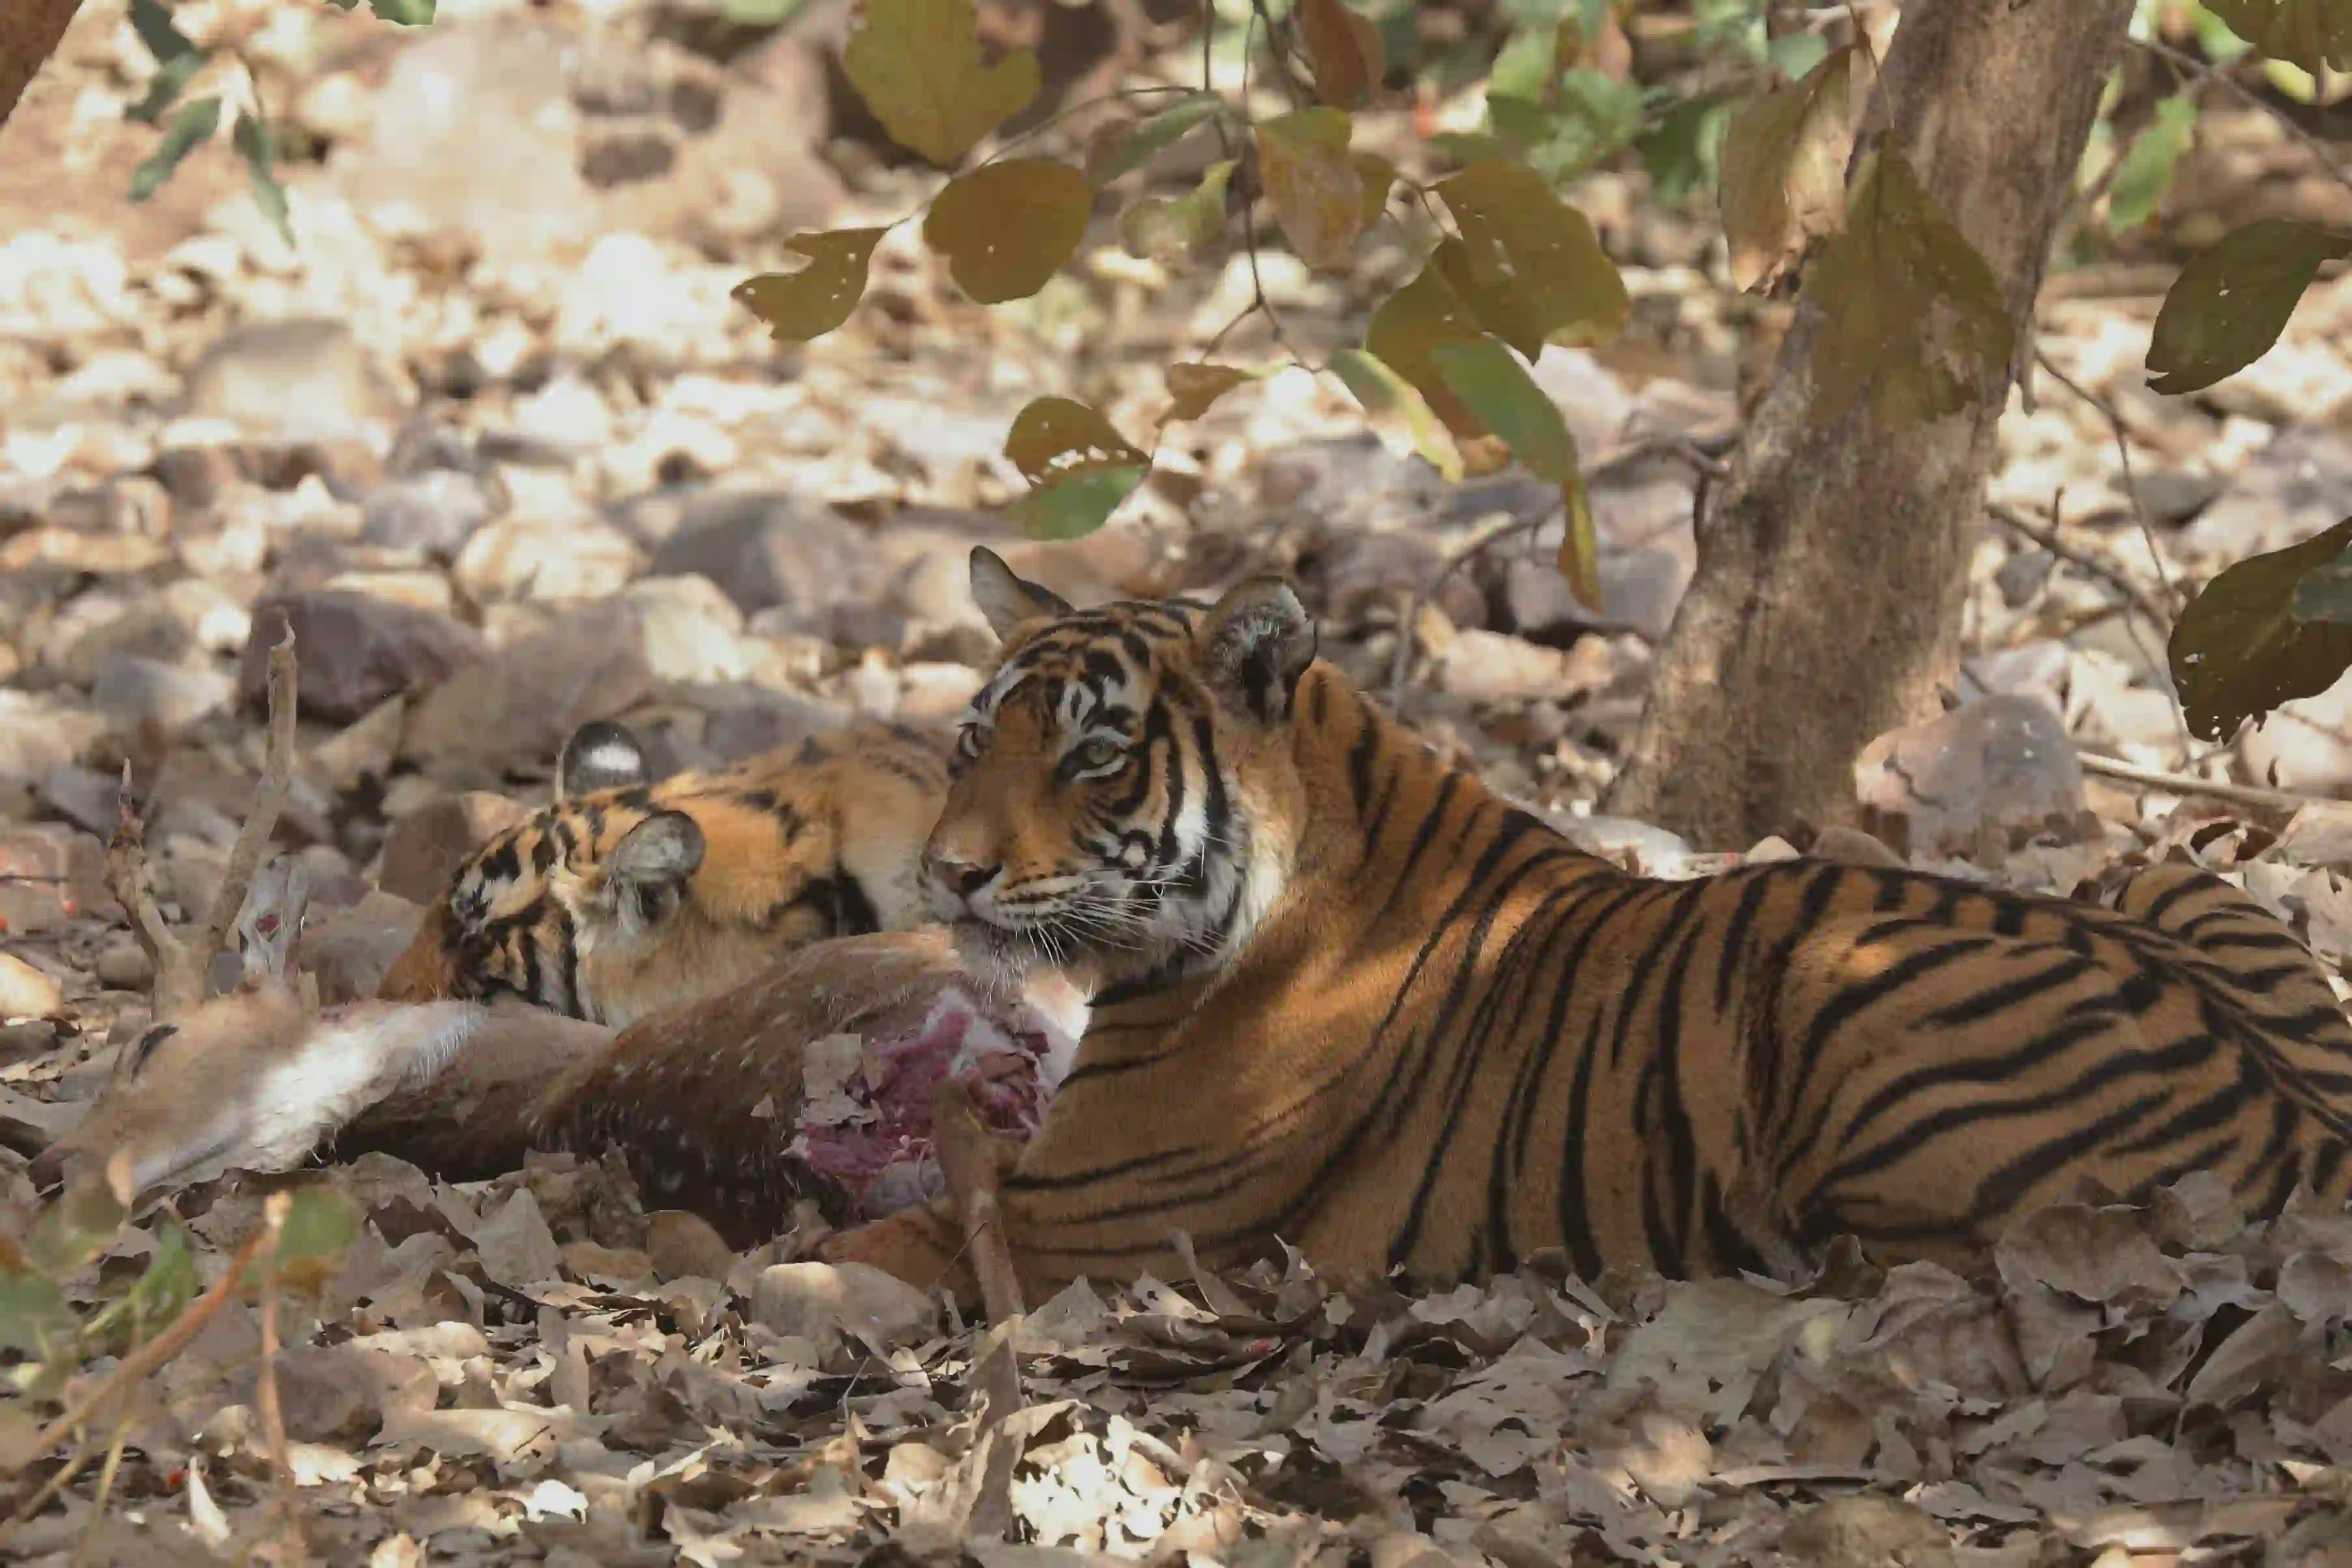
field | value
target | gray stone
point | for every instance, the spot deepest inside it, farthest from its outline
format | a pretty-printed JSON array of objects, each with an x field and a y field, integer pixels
[
  {"x": 354, "y": 650},
  {"x": 433, "y": 513},
  {"x": 301, "y": 378},
  {"x": 134, "y": 692},
  {"x": 2292, "y": 489},
  {"x": 768, "y": 549},
  {"x": 518, "y": 708},
  {"x": 424, "y": 847},
  {"x": 1975, "y": 781}
]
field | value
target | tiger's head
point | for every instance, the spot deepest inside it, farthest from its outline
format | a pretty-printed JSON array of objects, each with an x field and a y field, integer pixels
[
  {"x": 536, "y": 911},
  {"x": 1123, "y": 798}
]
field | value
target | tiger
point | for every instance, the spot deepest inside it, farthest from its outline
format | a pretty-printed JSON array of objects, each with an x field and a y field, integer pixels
[
  {"x": 1349, "y": 999},
  {"x": 625, "y": 895}
]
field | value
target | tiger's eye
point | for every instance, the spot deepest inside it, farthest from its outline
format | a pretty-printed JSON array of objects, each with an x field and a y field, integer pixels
[{"x": 1100, "y": 753}]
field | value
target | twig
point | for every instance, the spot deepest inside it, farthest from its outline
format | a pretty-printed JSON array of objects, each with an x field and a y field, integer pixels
[
  {"x": 2009, "y": 517},
  {"x": 2131, "y": 484},
  {"x": 272, "y": 1414},
  {"x": 967, "y": 1160},
  {"x": 106, "y": 1474},
  {"x": 151, "y": 1357},
  {"x": 47, "y": 1492},
  {"x": 2252, "y": 795},
  {"x": 2207, "y": 71},
  {"x": 182, "y": 968},
  {"x": 1692, "y": 451},
  {"x": 253, "y": 838}
]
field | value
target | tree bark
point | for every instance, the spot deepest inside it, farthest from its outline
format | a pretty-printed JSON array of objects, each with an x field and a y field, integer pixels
[
  {"x": 29, "y": 31},
  {"x": 1832, "y": 559}
]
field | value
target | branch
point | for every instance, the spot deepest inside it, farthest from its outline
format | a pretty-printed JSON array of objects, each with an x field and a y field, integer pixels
[
  {"x": 2286, "y": 801},
  {"x": 2131, "y": 485},
  {"x": 2205, "y": 70},
  {"x": 181, "y": 967},
  {"x": 2009, "y": 517}
]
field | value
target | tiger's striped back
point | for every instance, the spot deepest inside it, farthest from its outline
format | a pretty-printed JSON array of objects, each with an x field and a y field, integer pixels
[{"x": 1451, "y": 1039}]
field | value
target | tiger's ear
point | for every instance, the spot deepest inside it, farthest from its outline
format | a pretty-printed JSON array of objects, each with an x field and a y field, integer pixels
[
  {"x": 600, "y": 756},
  {"x": 1004, "y": 599},
  {"x": 1255, "y": 643},
  {"x": 647, "y": 871}
]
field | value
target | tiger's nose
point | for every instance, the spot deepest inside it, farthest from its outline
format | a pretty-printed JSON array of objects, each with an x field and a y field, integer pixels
[{"x": 960, "y": 876}]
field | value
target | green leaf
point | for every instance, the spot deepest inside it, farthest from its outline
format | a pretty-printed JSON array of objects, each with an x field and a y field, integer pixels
[
  {"x": 1784, "y": 158},
  {"x": 2145, "y": 174},
  {"x": 798, "y": 306},
  {"x": 1130, "y": 147},
  {"x": 320, "y": 1225},
  {"x": 191, "y": 126},
  {"x": 1686, "y": 149},
  {"x": 76, "y": 1228},
  {"x": 758, "y": 12},
  {"x": 2326, "y": 593},
  {"x": 164, "y": 90},
  {"x": 1397, "y": 412},
  {"x": 2232, "y": 300},
  {"x": 34, "y": 1316},
  {"x": 1531, "y": 269},
  {"x": 2240, "y": 649},
  {"x": 917, "y": 65},
  {"x": 162, "y": 1292},
  {"x": 1579, "y": 545},
  {"x": 152, "y": 21},
  {"x": 1005, "y": 228},
  {"x": 1167, "y": 230},
  {"x": 1913, "y": 314},
  {"x": 403, "y": 13},
  {"x": 1413, "y": 321},
  {"x": 1592, "y": 117},
  {"x": 1497, "y": 388},
  {"x": 1194, "y": 386},
  {"x": 1315, "y": 188},
  {"x": 1074, "y": 508},
  {"x": 2305, "y": 33},
  {"x": 258, "y": 149}
]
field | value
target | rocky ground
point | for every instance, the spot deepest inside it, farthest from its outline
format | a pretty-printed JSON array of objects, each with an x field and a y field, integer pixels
[{"x": 493, "y": 440}]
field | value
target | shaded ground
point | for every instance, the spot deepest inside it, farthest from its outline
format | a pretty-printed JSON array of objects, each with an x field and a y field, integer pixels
[{"x": 520, "y": 463}]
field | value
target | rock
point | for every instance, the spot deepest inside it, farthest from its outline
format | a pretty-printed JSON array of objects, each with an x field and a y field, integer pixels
[
  {"x": 425, "y": 846},
  {"x": 85, "y": 797},
  {"x": 546, "y": 558},
  {"x": 2173, "y": 496},
  {"x": 523, "y": 705},
  {"x": 2292, "y": 489},
  {"x": 1851, "y": 846},
  {"x": 1976, "y": 781},
  {"x": 474, "y": 130},
  {"x": 1490, "y": 667},
  {"x": 770, "y": 550},
  {"x": 290, "y": 379},
  {"x": 2305, "y": 745},
  {"x": 49, "y": 875},
  {"x": 682, "y": 1244},
  {"x": 348, "y": 950},
  {"x": 822, "y": 1303},
  {"x": 195, "y": 477},
  {"x": 40, "y": 733},
  {"x": 133, "y": 692},
  {"x": 354, "y": 651},
  {"x": 692, "y": 630},
  {"x": 433, "y": 513},
  {"x": 26, "y": 992},
  {"x": 123, "y": 966}
]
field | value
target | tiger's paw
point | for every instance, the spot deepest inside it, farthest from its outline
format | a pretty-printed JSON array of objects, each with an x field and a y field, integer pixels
[{"x": 922, "y": 1246}]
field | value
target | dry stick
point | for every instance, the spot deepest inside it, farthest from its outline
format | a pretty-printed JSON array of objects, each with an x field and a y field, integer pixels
[
  {"x": 49, "y": 1488},
  {"x": 2131, "y": 485},
  {"x": 2187, "y": 784},
  {"x": 2206, "y": 71},
  {"x": 2009, "y": 517},
  {"x": 106, "y": 1474},
  {"x": 273, "y": 1415},
  {"x": 181, "y": 967},
  {"x": 967, "y": 1158},
  {"x": 151, "y": 1357}
]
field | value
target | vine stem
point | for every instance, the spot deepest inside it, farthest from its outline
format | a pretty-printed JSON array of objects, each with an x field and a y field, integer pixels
[{"x": 2206, "y": 71}]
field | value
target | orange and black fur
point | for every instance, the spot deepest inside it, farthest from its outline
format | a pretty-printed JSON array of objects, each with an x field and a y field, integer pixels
[
  {"x": 626, "y": 895},
  {"x": 1348, "y": 998}
]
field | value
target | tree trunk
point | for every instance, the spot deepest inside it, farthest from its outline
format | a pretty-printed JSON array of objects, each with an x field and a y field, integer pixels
[
  {"x": 29, "y": 31},
  {"x": 1832, "y": 558}
]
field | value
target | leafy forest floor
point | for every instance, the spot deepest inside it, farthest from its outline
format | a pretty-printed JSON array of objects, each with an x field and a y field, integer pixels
[{"x": 512, "y": 459}]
